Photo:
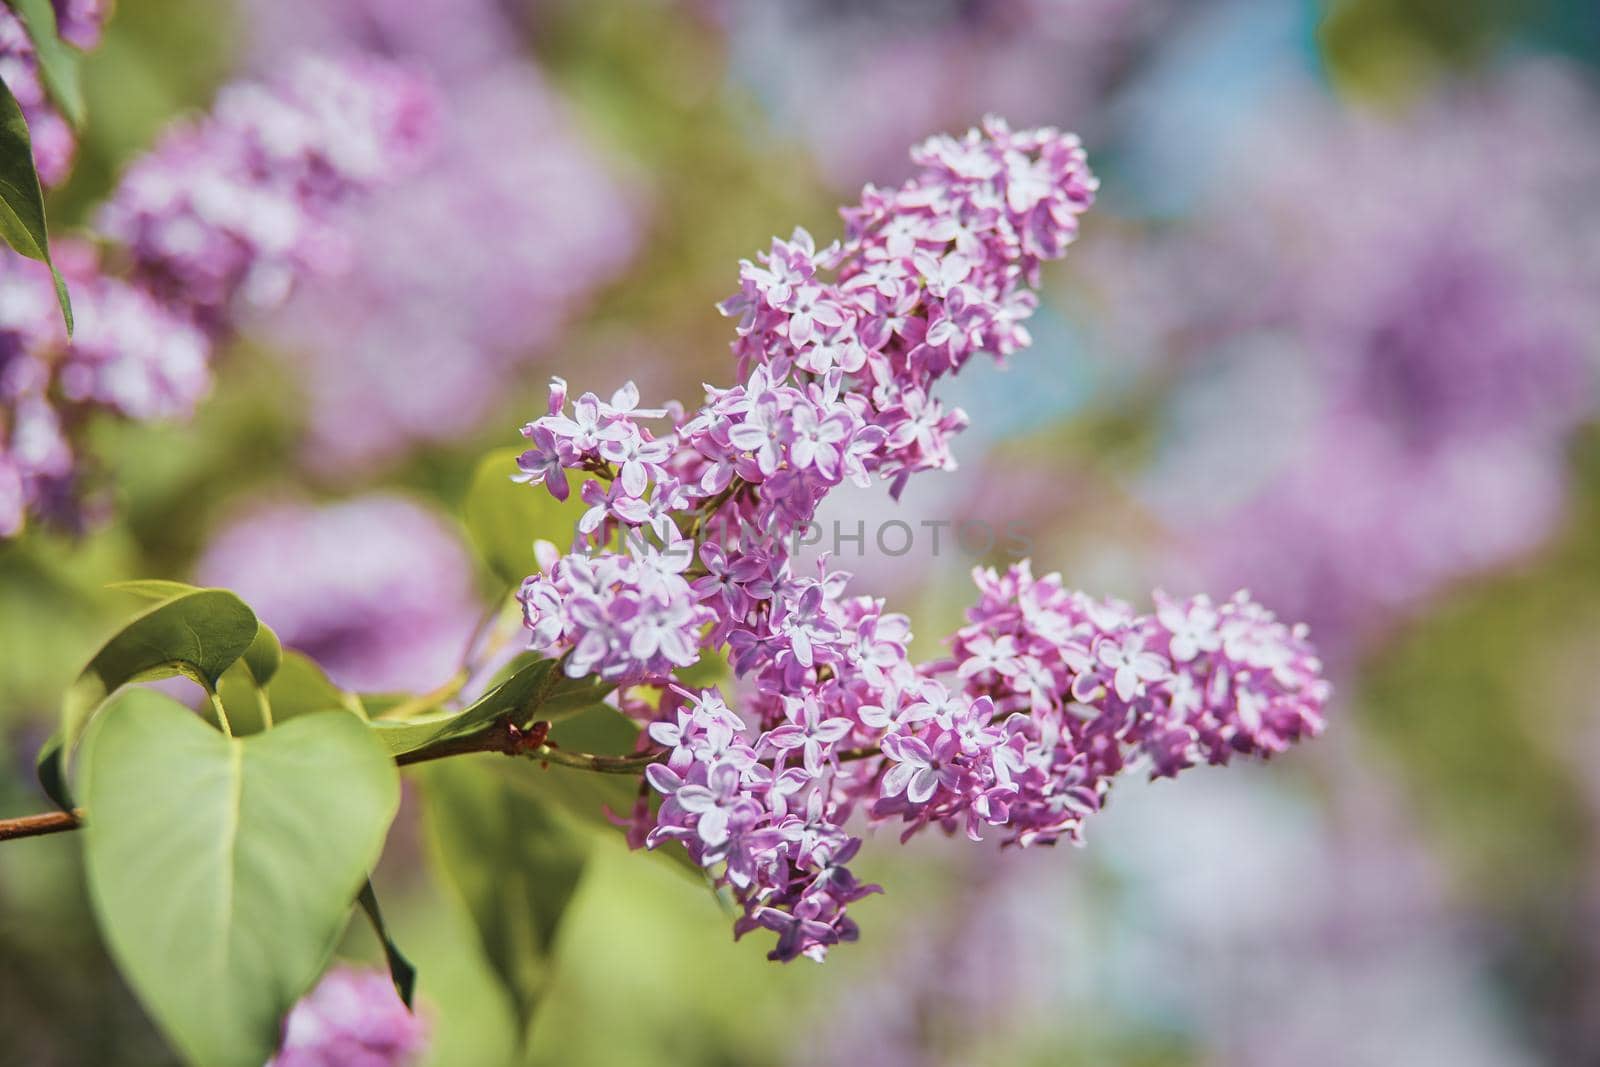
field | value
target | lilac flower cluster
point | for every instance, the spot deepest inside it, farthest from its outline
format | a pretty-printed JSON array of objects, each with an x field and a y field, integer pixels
[
  {"x": 241, "y": 201},
  {"x": 1049, "y": 695},
  {"x": 377, "y": 589},
  {"x": 929, "y": 275},
  {"x": 54, "y": 141},
  {"x": 353, "y": 1018}
]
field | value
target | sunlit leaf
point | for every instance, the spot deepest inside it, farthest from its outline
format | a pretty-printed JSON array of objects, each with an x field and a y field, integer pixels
[
  {"x": 222, "y": 869},
  {"x": 198, "y": 635}
]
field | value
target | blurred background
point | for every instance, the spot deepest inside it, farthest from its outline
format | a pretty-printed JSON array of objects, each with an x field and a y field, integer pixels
[{"x": 1331, "y": 333}]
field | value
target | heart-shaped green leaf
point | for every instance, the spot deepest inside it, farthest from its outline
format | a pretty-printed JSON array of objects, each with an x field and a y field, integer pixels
[
  {"x": 264, "y": 653},
  {"x": 222, "y": 869},
  {"x": 515, "y": 863},
  {"x": 504, "y": 517},
  {"x": 198, "y": 634}
]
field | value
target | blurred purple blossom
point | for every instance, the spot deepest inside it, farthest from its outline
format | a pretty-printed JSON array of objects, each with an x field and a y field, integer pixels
[
  {"x": 80, "y": 22},
  {"x": 461, "y": 274},
  {"x": 377, "y": 589},
  {"x": 353, "y": 1018},
  {"x": 1415, "y": 295},
  {"x": 839, "y": 72},
  {"x": 1325, "y": 931},
  {"x": 130, "y": 355},
  {"x": 238, "y": 204},
  {"x": 241, "y": 202},
  {"x": 54, "y": 141}
]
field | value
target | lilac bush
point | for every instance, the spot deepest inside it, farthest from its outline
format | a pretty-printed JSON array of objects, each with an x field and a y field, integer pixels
[
  {"x": 131, "y": 356},
  {"x": 1047, "y": 695},
  {"x": 684, "y": 555}
]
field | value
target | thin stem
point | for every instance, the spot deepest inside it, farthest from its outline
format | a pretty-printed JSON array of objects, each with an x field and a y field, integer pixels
[
  {"x": 429, "y": 701},
  {"x": 486, "y": 640},
  {"x": 264, "y": 705},
  {"x": 588, "y": 761},
  {"x": 504, "y": 736},
  {"x": 50, "y": 822},
  {"x": 222, "y": 714}
]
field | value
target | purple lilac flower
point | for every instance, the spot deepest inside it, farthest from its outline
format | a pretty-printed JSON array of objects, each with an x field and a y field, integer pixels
[
  {"x": 1062, "y": 694},
  {"x": 238, "y": 204},
  {"x": 464, "y": 272},
  {"x": 377, "y": 589},
  {"x": 353, "y": 1018}
]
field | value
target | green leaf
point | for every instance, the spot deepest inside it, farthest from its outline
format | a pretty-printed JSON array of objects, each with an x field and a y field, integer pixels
[
  {"x": 536, "y": 692},
  {"x": 504, "y": 517},
  {"x": 157, "y": 589},
  {"x": 513, "y": 860},
  {"x": 264, "y": 655},
  {"x": 401, "y": 970},
  {"x": 299, "y": 687},
  {"x": 222, "y": 869},
  {"x": 198, "y": 635},
  {"x": 58, "y": 61},
  {"x": 22, "y": 223},
  {"x": 712, "y": 668},
  {"x": 378, "y": 705}
]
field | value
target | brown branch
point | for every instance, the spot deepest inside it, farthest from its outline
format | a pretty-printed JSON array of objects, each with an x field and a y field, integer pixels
[
  {"x": 503, "y": 736},
  {"x": 50, "y": 822}
]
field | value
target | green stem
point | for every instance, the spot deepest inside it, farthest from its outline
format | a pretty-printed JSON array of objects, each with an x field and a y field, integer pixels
[
  {"x": 430, "y": 701},
  {"x": 222, "y": 714},
  {"x": 588, "y": 761}
]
